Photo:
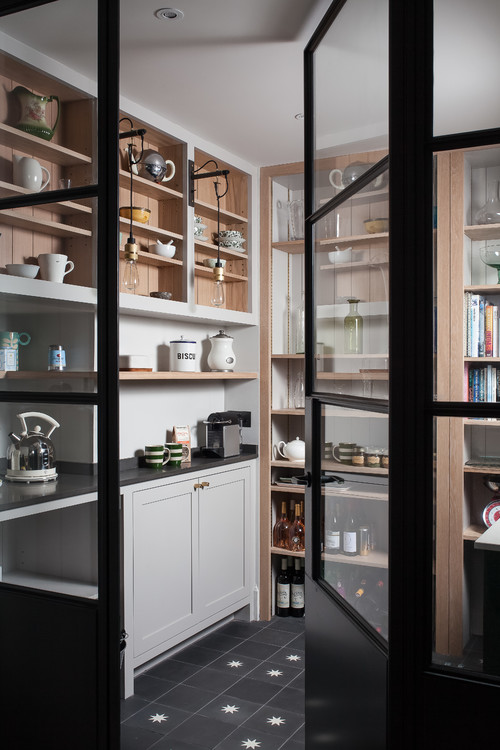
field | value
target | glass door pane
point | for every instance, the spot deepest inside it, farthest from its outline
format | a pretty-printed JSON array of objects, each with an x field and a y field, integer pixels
[
  {"x": 354, "y": 513},
  {"x": 351, "y": 259},
  {"x": 350, "y": 97}
]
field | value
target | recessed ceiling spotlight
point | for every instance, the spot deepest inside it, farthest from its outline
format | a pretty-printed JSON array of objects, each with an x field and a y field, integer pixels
[
  {"x": 299, "y": 116},
  {"x": 169, "y": 14}
]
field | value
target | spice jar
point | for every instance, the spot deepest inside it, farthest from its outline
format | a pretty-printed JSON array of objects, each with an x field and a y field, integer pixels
[
  {"x": 372, "y": 459},
  {"x": 358, "y": 456}
]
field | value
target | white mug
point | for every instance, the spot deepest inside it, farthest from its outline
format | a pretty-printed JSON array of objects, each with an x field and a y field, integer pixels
[{"x": 54, "y": 267}]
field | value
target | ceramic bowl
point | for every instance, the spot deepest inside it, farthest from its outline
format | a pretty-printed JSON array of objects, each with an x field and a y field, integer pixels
[
  {"x": 210, "y": 262},
  {"x": 26, "y": 270},
  {"x": 375, "y": 226},
  {"x": 138, "y": 214},
  {"x": 167, "y": 251},
  {"x": 230, "y": 234},
  {"x": 340, "y": 256}
]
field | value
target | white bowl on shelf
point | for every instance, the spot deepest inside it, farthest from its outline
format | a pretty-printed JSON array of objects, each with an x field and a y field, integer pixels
[
  {"x": 340, "y": 255},
  {"x": 166, "y": 250},
  {"x": 27, "y": 270}
]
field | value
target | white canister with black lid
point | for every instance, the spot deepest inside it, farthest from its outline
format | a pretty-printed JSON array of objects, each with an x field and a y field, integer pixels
[{"x": 183, "y": 355}]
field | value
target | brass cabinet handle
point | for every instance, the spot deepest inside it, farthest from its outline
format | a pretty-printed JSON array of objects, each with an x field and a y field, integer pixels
[
  {"x": 197, "y": 486},
  {"x": 205, "y": 484}
]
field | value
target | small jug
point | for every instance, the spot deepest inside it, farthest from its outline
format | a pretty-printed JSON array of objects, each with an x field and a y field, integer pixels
[
  {"x": 29, "y": 173},
  {"x": 33, "y": 113}
]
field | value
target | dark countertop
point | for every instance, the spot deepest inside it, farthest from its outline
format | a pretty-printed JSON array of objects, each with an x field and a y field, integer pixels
[{"x": 18, "y": 494}]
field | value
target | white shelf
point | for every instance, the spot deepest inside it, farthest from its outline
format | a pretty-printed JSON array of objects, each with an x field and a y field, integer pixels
[
  {"x": 51, "y": 583},
  {"x": 47, "y": 291},
  {"x": 366, "y": 310},
  {"x": 150, "y": 307}
]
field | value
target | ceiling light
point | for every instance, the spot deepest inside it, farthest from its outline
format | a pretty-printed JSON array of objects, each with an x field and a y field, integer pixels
[
  {"x": 169, "y": 14},
  {"x": 299, "y": 116}
]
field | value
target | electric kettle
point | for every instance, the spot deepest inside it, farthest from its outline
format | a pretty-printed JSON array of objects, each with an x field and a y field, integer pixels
[{"x": 30, "y": 458}]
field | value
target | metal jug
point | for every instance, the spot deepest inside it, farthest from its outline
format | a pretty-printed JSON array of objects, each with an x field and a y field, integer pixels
[{"x": 30, "y": 457}]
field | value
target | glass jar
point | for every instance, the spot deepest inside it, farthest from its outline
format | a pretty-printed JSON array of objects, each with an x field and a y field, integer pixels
[
  {"x": 353, "y": 329},
  {"x": 490, "y": 212},
  {"x": 299, "y": 400}
]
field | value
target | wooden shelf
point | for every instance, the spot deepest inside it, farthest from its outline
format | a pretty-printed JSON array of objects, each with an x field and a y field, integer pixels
[
  {"x": 286, "y": 552},
  {"x": 147, "y": 230},
  {"x": 157, "y": 191},
  {"x": 188, "y": 376},
  {"x": 339, "y": 468},
  {"x": 47, "y": 374},
  {"x": 356, "y": 265},
  {"x": 482, "y": 360},
  {"x": 293, "y": 247},
  {"x": 228, "y": 217},
  {"x": 473, "y": 532},
  {"x": 353, "y": 375},
  {"x": 69, "y": 208},
  {"x": 224, "y": 252},
  {"x": 483, "y": 232},
  {"x": 479, "y": 288},
  {"x": 296, "y": 489},
  {"x": 482, "y": 422},
  {"x": 41, "y": 149},
  {"x": 285, "y": 464},
  {"x": 356, "y": 239},
  {"x": 288, "y": 412},
  {"x": 374, "y": 559},
  {"x": 208, "y": 272},
  {"x": 151, "y": 259},
  {"x": 482, "y": 469},
  {"x": 36, "y": 224},
  {"x": 287, "y": 356}
]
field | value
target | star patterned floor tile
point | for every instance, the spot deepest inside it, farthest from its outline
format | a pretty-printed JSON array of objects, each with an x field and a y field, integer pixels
[
  {"x": 149, "y": 718},
  {"x": 235, "y": 663},
  {"x": 290, "y": 657},
  {"x": 243, "y": 710},
  {"x": 275, "y": 673},
  {"x": 273, "y": 720},
  {"x": 243, "y": 738}
]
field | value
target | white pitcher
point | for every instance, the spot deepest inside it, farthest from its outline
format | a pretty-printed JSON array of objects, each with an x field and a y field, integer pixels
[{"x": 28, "y": 173}]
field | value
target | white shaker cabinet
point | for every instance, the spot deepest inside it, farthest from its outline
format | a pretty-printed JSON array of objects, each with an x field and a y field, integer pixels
[{"x": 189, "y": 558}]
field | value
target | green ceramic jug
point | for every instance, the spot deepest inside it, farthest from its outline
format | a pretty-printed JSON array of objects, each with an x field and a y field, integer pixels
[{"x": 33, "y": 113}]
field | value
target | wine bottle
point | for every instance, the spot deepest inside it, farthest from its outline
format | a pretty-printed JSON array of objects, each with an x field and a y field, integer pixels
[
  {"x": 283, "y": 591},
  {"x": 297, "y": 607},
  {"x": 350, "y": 535},
  {"x": 332, "y": 532},
  {"x": 280, "y": 531},
  {"x": 296, "y": 532}
]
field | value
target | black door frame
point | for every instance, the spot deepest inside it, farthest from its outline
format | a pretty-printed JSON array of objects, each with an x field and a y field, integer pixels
[
  {"x": 425, "y": 703},
  {"x": 101, "y": 619}
]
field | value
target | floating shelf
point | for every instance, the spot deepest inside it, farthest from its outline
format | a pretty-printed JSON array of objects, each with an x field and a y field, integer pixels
[
  {"x": 479, "y": 288},
  {"x": 483, "y": 232},
  {"x": 188, "y": 376},
  {"x": 69, "y": 208},
  {"x": 146, "y": 230},
  {"x": 228, "y": 217},
  {"x": 381, "y": 375},
  {"x": 47, "y": 375},
  {"x": 287, "y": 356},
  {"x": 47, "y": 293},
  {"x": 293, "y": 247},
  {"x": 356, "y": 265},
  {"x": 36, "y": 224},
  {"x": 151, "y": 259},
  {"x": 357, "y": 239},
  {"x": 208, "y": 272},
  {"x": 286, "y": 552},
  {"x": 482, "y": 422},
  {"x": 224, "y": 252},
  {"x": 38, "y": 147},
  {"x": 288, "y": 412},
  {"x": 374, "y": 559},
  {"x": 158, "y": 191}
]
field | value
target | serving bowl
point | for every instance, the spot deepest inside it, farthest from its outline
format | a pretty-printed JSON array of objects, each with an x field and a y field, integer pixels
[
  {"x": 375, "y": 226},
  {"x": 340, "y": 256},
  {"x": 167, "y": 250},
  {"x": 138, "y": 214},
  {"x": 230, "y": 234},
  {"x": 27, "y": 270},
  {"x": 210, "y": 262}
]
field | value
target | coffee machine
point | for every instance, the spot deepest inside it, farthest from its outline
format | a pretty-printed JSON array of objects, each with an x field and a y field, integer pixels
[{"x": 223, "y": 434}]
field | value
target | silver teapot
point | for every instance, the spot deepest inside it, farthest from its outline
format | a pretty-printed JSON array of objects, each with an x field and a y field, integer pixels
[{"x": 31, "y": 457}]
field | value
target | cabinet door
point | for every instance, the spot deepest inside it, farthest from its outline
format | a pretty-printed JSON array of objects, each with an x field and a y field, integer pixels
[
  {"x": 223, "y": 541},
  {"x": 163, "y": 563}
]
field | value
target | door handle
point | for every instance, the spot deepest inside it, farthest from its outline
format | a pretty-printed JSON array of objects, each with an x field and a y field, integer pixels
[{"x": 306, "y": 479}]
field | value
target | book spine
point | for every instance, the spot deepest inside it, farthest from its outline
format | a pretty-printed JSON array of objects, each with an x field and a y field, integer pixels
[
  {"x": 488, "y": 330},
  {"x": 495, "y": 331},
  {"x": 480, "y": 345},
  {"x": 475, "y": 384},
  {"x": 474, "y": 324}
]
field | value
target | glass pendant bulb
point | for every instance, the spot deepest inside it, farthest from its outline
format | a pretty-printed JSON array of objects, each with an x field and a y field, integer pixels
[
  {"x": 218, "y": 296},
  {"x": 131, "y": 271}
]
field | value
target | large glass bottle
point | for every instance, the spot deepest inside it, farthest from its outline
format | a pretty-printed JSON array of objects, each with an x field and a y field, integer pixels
[
  {"x": 297, "y": 591},
  {"x": 296, "y": 534},
  {"x": 353, "y": 329},
  {"x": 299, "y": 326},
  {"x": 281, "y": 527},
  {"x": 350, "y": 535},
  {"x": 490, "y": 212},
  {"x": 333, "y": 532}
]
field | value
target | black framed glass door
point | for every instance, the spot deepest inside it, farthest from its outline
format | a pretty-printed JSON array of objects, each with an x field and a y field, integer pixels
[
  {"x": 59, "y": 508},
  {"x": 347, "y": 376}
]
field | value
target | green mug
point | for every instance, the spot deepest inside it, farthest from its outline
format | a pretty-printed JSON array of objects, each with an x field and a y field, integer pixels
[
  {"x": 155, "y": 456},
  {"x": 178, "y": 452}
]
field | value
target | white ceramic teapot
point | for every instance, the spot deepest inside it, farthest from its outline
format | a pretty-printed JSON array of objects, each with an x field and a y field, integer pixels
[
  {"x": 28, "y": 173},
  {"x": 295, "y": 450}
]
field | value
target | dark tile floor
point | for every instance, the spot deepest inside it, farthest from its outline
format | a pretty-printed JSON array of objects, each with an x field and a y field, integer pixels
[{"x": 239, "y": 687}]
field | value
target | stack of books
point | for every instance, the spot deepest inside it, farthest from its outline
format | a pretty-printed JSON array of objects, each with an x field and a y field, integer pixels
[{"x": 481, "y": 331}]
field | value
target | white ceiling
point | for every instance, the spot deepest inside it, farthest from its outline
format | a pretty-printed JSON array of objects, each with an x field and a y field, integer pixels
[{"x": 232, "y": 70}]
